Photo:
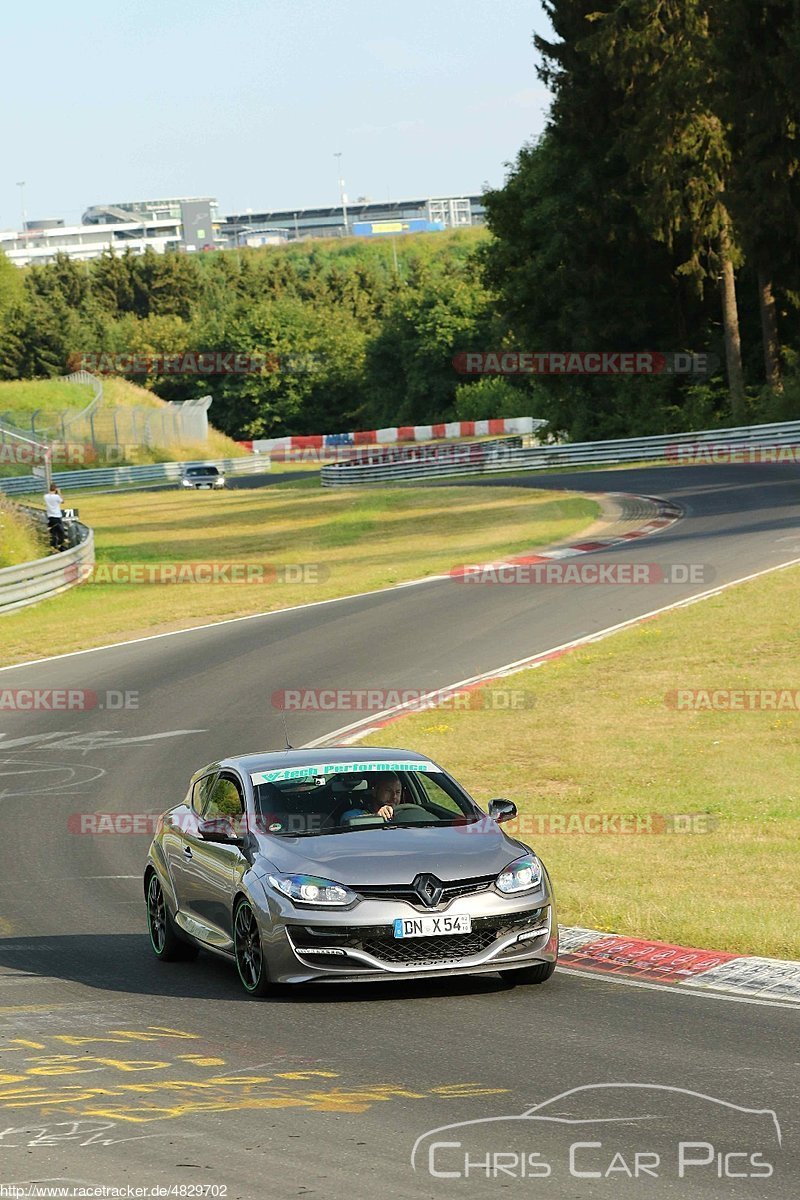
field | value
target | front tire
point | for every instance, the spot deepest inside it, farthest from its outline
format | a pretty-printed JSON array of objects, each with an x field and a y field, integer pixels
[
  {"x": 250, "y": 961},
  {"x": 526, "y": 975},
  {"x": 164, "y": 938}
]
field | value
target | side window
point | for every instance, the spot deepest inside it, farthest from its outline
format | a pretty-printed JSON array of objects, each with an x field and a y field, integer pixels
[
  {"x": 224, "y": 801},
  {"x": 437, "y": 797},
  {"x": 201, "y": 792}
]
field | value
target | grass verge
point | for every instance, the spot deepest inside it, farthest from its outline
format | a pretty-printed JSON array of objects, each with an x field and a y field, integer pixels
[
  {"x": 597, "y": 733},
  {"x": 20, "y": 539},
  {"x": 350, "y": 540},
  {"x": 20, "y": 399}
]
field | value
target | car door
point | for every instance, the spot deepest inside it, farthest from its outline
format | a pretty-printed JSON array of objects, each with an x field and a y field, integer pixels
[
  {"x": 211, "y": 869},
  {"x": 177, "y": 824}
]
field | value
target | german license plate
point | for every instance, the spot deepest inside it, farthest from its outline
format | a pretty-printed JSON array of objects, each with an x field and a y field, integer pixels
[{"x": 409, "y": 927}]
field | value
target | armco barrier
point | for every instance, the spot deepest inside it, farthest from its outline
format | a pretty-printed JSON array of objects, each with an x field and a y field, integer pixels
[
  {"x": 20, "y": 485},
  {"x": 735, "y": 444},
  {"x": 27, "y": 583}
]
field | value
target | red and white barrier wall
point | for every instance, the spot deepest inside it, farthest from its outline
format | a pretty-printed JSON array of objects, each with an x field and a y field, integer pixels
[{"x": 398, "y": 433}]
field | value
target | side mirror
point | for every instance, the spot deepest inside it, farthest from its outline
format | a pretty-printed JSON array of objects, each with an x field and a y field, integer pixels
[
  {"x": 502, "y": 810},
  {"x": 217, "y": 829}
]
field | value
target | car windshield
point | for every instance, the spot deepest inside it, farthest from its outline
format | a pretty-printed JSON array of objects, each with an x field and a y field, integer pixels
[
  {"x": 358, "y": 800},
  {"x": 202, "y": 471}
]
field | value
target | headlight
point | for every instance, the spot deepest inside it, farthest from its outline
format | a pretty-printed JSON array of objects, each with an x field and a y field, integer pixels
[
  {"x": 523, "y": 875},
  {"x": 308, "y": 889},
  {"x": 185, "y": 483}
]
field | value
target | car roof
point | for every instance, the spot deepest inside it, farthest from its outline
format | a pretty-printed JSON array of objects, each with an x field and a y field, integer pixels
[{"x": 279, "y": 759}]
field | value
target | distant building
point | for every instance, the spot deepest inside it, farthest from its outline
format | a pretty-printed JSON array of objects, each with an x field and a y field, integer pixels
[
  {"x": 451, "y": 212},
  {"x": 198, "y": 217},
  {"x": 263, "y": 237},
  {"x": 160, "y": 210},
  {"x": 193, "y": 223},
  {"x": 89, "y": 241}
]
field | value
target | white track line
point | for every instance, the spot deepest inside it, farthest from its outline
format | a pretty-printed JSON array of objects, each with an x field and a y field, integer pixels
[
  {"x": 367, "y": 725},
  {"x": 538, "y": 659},
  {"x": 274, "y": 612},
  {"x": 674, "y": 989}
]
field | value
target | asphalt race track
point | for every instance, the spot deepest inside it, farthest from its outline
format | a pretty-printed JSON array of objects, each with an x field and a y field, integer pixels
[{"x": 118, "y": 1070}]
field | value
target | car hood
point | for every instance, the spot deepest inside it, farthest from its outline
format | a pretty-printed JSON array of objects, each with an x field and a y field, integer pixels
[{"x": 378, "y": 855}]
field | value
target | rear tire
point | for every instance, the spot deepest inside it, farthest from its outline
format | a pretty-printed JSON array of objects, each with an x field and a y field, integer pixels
[
  {"x": 525, "y": 975},
  {"x": 250, "y": 961},
  {"x": 167, "y": 943}
]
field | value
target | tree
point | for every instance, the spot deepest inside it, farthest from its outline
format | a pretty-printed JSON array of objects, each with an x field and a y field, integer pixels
[
  {"x": 443, "y": 309},
  {"x": 573, "y": 261},
  {"x": 112, "y": 282},
  {"x": 164, "y": 284},
  {"x": 661, "y": 55},
  {"x": 756, "y": 44},
  {"x": 64, "y": 277},
  {"x": 11, "y": 283},
  {"x": 36, "y": 338}
]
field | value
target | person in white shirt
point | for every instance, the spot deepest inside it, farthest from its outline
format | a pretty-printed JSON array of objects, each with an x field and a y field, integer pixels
[{"x": 55, "y": 518}]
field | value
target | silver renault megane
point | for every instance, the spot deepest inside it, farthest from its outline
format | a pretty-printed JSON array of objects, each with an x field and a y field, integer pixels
[{"x": 346, "y": 865}]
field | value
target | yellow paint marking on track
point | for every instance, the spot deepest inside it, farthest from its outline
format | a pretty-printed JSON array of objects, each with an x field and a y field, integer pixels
[
  {"x": 198, "y": 1060},
  {"x": 31, "y": 1007},
  {"x": 31, "y": 1081},
  {"x": 233, "y": 1093}
]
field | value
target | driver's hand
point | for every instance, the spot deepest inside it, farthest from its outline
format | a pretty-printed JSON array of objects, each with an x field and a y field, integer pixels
[{"x": 387, "y": 812}]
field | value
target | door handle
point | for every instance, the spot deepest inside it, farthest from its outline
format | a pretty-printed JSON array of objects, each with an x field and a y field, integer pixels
[{"x": 187, "y": 850}]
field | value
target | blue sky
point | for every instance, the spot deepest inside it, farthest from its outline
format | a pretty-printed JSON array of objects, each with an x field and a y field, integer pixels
[{"x": 248, "y": 100}]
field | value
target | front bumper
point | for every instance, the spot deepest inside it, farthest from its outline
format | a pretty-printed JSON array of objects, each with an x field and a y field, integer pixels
[{"x": 314, "y": 946}]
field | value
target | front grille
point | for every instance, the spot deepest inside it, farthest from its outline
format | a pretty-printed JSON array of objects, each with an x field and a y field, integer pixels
[
  {"x": 430, "y": 949},
  {"x": 378, "y": 941},
  {"x": 406, "y": 894}
]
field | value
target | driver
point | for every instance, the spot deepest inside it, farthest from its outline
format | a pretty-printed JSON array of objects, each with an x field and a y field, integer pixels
[{"x": 387, "y": 791}]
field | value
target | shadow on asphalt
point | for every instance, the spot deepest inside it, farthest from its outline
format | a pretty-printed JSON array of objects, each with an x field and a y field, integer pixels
[{"x": 125, "y": 963}]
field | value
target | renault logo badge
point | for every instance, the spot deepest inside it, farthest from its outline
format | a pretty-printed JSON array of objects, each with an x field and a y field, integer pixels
[{"x": 429, "y": 890}]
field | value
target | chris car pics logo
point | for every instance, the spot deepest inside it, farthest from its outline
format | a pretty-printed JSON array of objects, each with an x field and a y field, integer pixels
[{"x": 612, "y": 1134}]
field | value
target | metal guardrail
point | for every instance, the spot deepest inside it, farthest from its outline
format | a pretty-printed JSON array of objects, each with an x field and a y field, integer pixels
[
  {"x": 21, "y": 485},
  {"x": 469, "y": 459},
  {"x": 97, "y": 395},
  {"x": 28, "y": 583}
]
